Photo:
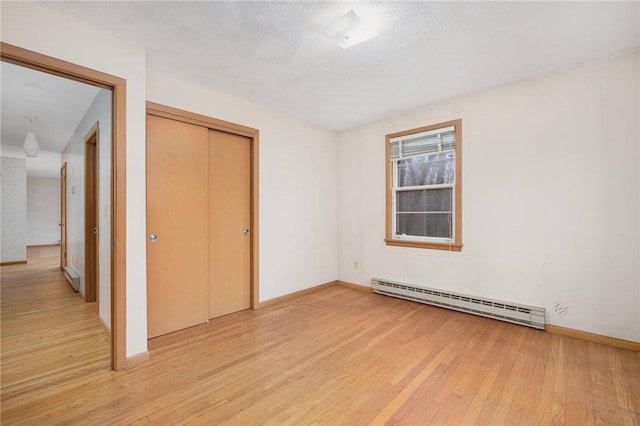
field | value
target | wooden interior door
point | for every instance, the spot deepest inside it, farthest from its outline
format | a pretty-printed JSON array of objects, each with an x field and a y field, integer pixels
[
  {"x": 229, "y": 223},
  {"x": 63, "y": 216},
  {"x": 177, "y": 225},
  {"x": 91, "y": 216}
]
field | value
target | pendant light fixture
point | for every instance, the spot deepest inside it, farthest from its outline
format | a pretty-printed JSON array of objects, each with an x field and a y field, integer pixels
[{"x": 31, "y": 145}]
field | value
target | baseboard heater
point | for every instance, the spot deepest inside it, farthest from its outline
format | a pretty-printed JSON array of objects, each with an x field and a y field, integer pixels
[
  {"x": 73, "y": 277},
  {"x": 531, "y": 316}
]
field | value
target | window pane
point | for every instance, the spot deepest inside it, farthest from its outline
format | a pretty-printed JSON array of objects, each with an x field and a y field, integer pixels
[
  {"x": 424, "y": 224},
  {"x": 424, "y": 200},
  {"x": 426, "y": 170}
]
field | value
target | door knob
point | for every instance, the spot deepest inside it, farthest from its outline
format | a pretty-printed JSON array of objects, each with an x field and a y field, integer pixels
[
  {"x": 95, "y": 231},
  {"x": 245, "y": 232},
  {"x": 153, "y": 238}
]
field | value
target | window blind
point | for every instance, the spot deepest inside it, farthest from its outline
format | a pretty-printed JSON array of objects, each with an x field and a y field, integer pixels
[{"x": 417, "y": 144}]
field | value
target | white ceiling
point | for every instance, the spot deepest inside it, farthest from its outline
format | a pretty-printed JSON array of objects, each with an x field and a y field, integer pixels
[
  {"x": 271, "y": 52},
  {"x": 58, "y": 103}
]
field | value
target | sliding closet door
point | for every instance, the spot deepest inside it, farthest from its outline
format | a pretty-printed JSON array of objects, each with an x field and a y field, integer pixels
[
  {"x": 177, "y": 225},
  {"x": 229, "y": 223}
]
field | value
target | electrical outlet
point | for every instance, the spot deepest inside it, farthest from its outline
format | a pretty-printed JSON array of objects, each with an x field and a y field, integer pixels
[{"x": 356, "y": 264}]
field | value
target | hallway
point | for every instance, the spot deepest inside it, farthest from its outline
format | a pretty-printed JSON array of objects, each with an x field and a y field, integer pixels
[{"x": 49, "y": 334}]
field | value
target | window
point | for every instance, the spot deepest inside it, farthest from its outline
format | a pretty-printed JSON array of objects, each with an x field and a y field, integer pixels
[{"x": 424, "y": 202}]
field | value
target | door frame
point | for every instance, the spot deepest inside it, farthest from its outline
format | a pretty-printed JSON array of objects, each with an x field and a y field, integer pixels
[
  {"x": 91, "y": 216},
  {"x": 29, "y": 59},
  {"x": 63, "y": 215},
  {"x": 236, "y": 129}
]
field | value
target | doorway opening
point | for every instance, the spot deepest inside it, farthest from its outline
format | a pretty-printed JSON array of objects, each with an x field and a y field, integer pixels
[
  {"x": 117, "y": 87},
  {"x": 91, "y": 216}
]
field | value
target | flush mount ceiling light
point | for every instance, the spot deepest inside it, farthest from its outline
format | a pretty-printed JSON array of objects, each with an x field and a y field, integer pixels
[
  {"x": 348, "y": 30},
  {"x": 31, "y": 146}
]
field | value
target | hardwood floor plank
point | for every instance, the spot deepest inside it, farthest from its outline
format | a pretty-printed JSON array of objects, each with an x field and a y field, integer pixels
[
  {"x": 49, "y": 334},
  {"x": 479, "y": 359},
  {"x": 504, "y": 378},
  {"x": 333, "y": 357},
  {"x": 579, "y": 400}
]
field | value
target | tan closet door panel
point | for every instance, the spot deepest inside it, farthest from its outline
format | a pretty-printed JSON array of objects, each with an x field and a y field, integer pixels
[
  {"x": 229, "y": 223},
  {"x": 177, "y": 213}
]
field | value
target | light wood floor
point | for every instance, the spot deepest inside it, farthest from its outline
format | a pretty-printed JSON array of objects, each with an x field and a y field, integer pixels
[
  {"x": 49, "y": 334},
  {"x": 338, "y": 357}
]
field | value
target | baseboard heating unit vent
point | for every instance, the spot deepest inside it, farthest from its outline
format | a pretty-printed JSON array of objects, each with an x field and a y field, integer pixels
[
  {"x": 73, "y": 277},
  {"x": 531, "y": 316}
]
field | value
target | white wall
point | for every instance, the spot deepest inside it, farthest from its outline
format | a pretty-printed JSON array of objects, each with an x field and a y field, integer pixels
[
  {"x": 103, "y": 103},
  {"x": 13, "y": 186},
  {"x": 43, "y": 210},
  {"x": 550, "y": 198},
  {"x": 46, "y": 164},
  {"x": 298, "y": 178},
  {"x": 32, "y": 27},
  {"x": 74, "y": 155}
]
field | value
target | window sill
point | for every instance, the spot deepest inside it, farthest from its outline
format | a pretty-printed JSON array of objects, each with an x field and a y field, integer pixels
[{"x": 431, "y": 246}]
